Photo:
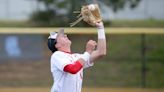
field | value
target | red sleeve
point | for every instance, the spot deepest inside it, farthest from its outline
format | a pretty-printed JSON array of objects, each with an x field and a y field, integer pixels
[{"x": 73, "y": 68}]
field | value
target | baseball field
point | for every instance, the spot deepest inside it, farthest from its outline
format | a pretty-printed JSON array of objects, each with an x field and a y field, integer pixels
[
  {"x": 122, "y": 70},
  {"x": 46, "y": 89}
]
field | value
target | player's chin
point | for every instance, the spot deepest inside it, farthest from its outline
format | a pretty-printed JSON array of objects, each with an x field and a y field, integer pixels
[{"x": 69, "y": 42}]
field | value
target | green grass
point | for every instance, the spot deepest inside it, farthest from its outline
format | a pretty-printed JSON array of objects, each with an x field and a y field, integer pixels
[
  {"x": 113, "y": 23},
  {"x": 15, "y": 24},
  {"x": 47, "y": 89},
  {"x": 137, "y": 23}
]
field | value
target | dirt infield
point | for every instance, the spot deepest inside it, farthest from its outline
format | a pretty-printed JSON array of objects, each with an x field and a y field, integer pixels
[{"x": 46, "y": 89}]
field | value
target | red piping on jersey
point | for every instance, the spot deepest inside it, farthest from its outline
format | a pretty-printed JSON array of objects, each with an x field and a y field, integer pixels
[
  {"x": 73, "y": 68},
  {"x": 67, "y": 52}
]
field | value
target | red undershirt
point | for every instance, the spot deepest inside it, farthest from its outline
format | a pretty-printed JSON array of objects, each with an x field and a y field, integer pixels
[{"x": 73, "y": 68}]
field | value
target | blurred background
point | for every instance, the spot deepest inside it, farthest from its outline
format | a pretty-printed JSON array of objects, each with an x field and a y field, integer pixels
[{"x": 135, "y": 56}]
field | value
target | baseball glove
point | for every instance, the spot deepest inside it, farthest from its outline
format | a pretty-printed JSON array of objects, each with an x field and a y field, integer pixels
[{"x": 90, "y": 14}]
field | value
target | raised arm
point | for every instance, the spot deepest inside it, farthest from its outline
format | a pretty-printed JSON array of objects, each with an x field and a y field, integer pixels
[{"x": 101, "y": 44}]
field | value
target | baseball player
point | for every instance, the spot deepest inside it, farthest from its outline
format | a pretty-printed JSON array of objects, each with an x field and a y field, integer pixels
[{"x": 67, "y": 67}]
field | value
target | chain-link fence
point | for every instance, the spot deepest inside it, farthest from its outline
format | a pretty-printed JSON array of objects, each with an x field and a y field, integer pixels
[{"x": 132, "y": 60}]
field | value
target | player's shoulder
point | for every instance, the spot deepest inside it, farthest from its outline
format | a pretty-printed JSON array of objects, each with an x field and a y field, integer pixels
[
  {"x": 77, "y": 54},
  {"x": 58, "y": 53}
]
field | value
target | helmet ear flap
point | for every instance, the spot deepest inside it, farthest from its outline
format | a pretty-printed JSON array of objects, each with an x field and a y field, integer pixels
[{"x": 51, "y": 45}]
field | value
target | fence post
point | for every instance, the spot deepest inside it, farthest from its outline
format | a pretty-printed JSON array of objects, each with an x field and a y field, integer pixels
[{"x": 143, "y": 61}]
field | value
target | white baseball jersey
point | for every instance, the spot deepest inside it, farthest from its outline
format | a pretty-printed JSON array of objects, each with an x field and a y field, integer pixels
[{"x": 64, "y": 81}]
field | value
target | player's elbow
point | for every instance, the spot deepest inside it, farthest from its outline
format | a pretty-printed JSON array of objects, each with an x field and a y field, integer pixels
[
  {"x": 74, "y": 71},
  {"x": 102, "y": 53},
  {"x": 73, "y": 68}
]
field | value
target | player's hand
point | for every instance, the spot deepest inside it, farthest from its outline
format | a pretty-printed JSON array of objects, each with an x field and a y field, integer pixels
[{"x": 91, "y": 45}]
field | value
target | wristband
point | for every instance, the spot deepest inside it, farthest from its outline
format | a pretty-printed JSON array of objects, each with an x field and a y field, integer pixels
[
  {"x": 101, "y": 33},
  {"x": 86, "y": 56}
]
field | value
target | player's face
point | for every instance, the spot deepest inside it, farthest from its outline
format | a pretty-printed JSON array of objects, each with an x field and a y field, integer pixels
[{"x": 63, "y": 40}]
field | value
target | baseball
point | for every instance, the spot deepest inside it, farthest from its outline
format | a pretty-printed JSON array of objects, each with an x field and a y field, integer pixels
[{"x": 91, "y": 7}]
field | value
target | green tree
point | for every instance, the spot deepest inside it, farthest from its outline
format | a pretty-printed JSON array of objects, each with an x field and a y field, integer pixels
[{"x": 60, "y": 12}]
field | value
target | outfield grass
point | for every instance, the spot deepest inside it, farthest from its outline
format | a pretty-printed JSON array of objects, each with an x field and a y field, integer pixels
[
  {"x": 45, "y": 89},
  {"x": 113, "y": 23},
  {"x": 14, "y": 24},
  {"x": 137, "y": 23}
]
